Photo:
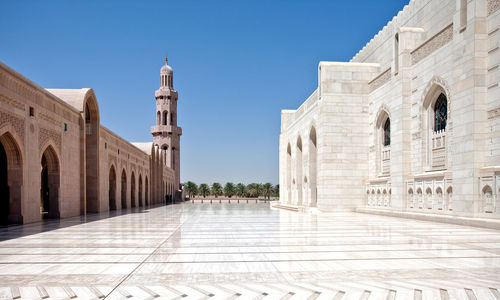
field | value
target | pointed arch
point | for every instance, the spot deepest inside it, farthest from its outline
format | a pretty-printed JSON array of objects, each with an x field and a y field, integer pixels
[
  {"x": 298, "y": 169},
  {"x": 288, "y": 175},
  {"x": 92, "y": 121},
  {"x": 132, "y": 190},
  {"x": 140, "y": 189},
  {"x": 112, "y": 188},
  {"x": 11, "y": 178},
  {"x": 50, "y": 183},
  {"x": 146, "y": 191},
  {"x": 313, "y": 166},
  {"x": 382, "y": 141},
  {"x": 124, "y": 189},
  {"x": 165, "y": 117}
]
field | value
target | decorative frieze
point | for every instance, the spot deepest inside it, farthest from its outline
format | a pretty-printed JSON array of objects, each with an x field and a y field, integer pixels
[
  {"x": 380, "y": 80},
  {"x": 494, "y": 113},
  {"x": 49, "y": 119},
  {"x": 379, "y": 194},
  {"x": 16, "y": 122},
  {"x": 46, "y": 135},
  {"x": 432, "y": 44},
  {"x": 493, "y": 6},
  {"x": 430, "y": 194},
  {"x": 12, "y": 102}
]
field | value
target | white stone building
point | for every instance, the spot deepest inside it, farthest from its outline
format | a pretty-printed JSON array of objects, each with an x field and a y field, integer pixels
[{"x": 410, "y": 124}]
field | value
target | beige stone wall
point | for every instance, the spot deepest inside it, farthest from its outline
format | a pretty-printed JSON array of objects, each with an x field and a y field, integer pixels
[
  {"x": 34, "y": 122},
  {"x": 33, "y": 134},
  {"x": 430, "y": 47}
]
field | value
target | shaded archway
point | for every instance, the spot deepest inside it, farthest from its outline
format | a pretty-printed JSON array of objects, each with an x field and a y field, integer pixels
[
  {"x": 146, "y": 196},
  {"x": 124, "y": 189},
  {"x": 487, "y": 195},
  {"x": 49, "y": 187},
  {"x": 313, "y": 162},
  {"x": 383, "y": 142},
  {"x": 132, "y": 190},
  {"x": 112, "y": 188},
  {"x": 410, "y": 198},
  {"x": 449, "y": 198},
  {"x": 298, "y": 170},
  {"x": 140, "y": 189},
  {"x": 11, "y": 180},
  {"x": 91, "y": 155}
]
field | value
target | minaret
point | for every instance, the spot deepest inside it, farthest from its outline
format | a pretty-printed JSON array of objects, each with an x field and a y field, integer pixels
[{"x": 166, "y": 134}]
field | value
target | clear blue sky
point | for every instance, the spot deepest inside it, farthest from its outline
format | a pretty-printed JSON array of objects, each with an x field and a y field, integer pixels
[{"x": 236, "y": 65}]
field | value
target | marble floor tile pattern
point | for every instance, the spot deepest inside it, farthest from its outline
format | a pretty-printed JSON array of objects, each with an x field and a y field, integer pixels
[{"x": 247, "y": 251}]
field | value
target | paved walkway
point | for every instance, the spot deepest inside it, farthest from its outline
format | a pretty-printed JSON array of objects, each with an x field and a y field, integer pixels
[{"x": 247, "y": 251}]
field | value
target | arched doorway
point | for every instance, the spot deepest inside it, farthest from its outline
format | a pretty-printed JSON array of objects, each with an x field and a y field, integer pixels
[
  {"x": 112, "y": 188},
  {"x": 11, "y": 179},
  {"x": 132, "y": 190},
  {"x": 4, "y": 188},
  {"x": 91, "y": 155},
  {"x": 140, "y": 190},
  {"x": 49, "y": 189},
  {"x": 313, "y": 161},
  {"x": 146, "y": 186},
  {"x": 124, "y": 190}
]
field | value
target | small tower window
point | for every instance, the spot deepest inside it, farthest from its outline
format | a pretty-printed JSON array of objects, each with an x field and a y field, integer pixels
[
  {"x": 165, "y": 116},
  {"x": 463, "y": 15},
  {"x": 158, "y": 117}
]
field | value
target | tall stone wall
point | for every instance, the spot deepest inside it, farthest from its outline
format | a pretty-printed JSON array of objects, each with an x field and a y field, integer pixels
[{"x": 431, "y": 47}]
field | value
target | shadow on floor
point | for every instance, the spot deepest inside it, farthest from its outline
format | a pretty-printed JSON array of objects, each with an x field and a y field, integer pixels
[{"x": 16, "y": 231}]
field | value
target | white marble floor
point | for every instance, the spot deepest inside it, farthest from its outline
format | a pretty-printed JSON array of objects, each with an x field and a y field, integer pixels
[{"x": 247, "y": 251}]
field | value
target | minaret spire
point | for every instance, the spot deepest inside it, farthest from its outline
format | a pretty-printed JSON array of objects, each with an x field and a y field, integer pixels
[{"x": 166, "y": 134}]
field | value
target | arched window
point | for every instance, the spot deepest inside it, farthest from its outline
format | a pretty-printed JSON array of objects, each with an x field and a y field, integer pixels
[
  {"x": 440, "y": 113},
  {"x": 387, "y": 132},
  {"x": 165, "y": 148},
  {"x": 165, "y": 116},
  {"x": 158, "y": 118}
]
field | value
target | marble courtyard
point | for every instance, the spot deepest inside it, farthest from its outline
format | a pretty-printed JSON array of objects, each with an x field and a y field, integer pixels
[{"x": 247, "y": 251}]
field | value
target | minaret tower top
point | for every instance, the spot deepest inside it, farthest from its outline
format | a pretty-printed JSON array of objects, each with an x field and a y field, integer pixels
[{"x": 167, "y": 76}]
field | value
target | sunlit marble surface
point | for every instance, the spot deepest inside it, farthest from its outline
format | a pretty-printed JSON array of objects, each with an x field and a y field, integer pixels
[{"x": 247, "y": 251}]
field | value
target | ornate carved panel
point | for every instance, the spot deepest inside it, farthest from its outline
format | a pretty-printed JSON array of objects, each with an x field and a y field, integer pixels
[
  {"x": 493, "y": 6},
  {"x": 432, "y": 44},
  {"x": 48, "y": 134},
  {"x": 380, "y": 80},
  {"x": 12, "y": 102},
  {"x": 16, "y": 122}
]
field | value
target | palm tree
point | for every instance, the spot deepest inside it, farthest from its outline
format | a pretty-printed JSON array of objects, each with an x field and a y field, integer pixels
[
  {"x": 229, "y": 189},
  {"x": 216, "y": 189},
  {"x": 204, "y": 189},
  {"x": 253, "y": 190},
  {"x": 276, "y": 191},
  {"x": 240, "y": 190},
  {"x": 191, "y": 188},
  {"x": 267, "y": 187}
]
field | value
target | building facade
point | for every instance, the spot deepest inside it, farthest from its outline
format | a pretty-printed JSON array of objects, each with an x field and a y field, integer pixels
[
  {"x": 410, "y": 124},
  {"x": 58, "y": 161}
]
